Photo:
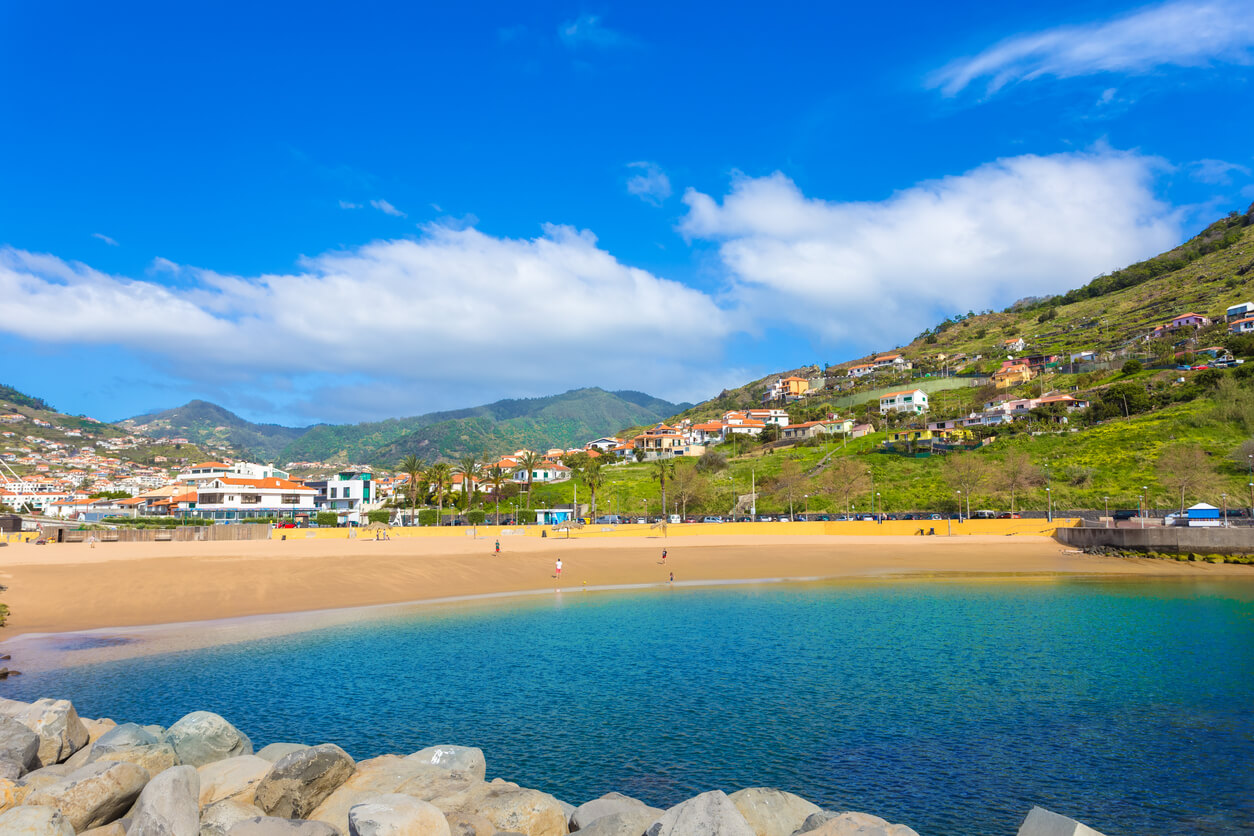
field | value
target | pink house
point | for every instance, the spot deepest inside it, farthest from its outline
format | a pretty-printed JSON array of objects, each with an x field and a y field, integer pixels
[{"x": 1188, "y": 320}]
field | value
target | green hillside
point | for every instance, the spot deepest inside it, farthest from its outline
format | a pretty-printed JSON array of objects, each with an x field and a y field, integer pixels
[
  {"x": 209, "y": 424},
  {"x": 572, "y": 418}
]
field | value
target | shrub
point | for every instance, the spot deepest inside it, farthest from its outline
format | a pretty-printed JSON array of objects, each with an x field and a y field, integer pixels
[
  {"x": 526, "y": 516},
  {"x": 427, "y": 516},
  {"x": 476, "y": 516},
  {"x": 1052, "y": 313},
  {"x": 327, "y": 519},
  {"x": 380, "y": 516},
  {"x": 1131, "y": 367}
]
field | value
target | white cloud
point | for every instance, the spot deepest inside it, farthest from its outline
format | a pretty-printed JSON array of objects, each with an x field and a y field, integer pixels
[
  {"x": 387, "y": 208},
  {"x": 1186, "y": 33},
  {"x": 345, "y": 204},
  {"x": 104, "y": 238},
  {"x": 588, "y": 30},
  {"x": 880, "y": 272},
  {"x": 651, "y": 184},
  {"x": 1217, "y": 172},
  {"x": 455, "y": 311}
]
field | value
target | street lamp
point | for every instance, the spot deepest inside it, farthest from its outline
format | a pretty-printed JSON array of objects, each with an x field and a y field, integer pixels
[
  {"x": 1049, "y": 505},
  {"x": 1140, "y": 509},
  {"x": 1106, "y": 504},
  {"x": 879, "y": 518},
  {"x": 807, "y": 499},
  {"x": 1225, "y": 498},
  {"x": 959, "y": 505},
  {"x": 1145, "y": 494}
]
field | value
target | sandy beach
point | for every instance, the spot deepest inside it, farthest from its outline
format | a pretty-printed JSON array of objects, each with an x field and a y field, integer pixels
[{"x": 72, "y": 587}]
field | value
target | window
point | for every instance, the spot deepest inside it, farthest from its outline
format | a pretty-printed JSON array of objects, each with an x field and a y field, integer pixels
[
  {"x": 333, "y": 490},
  {"x": 250, "y": 499},
  {"x": 291, "y": 499}
]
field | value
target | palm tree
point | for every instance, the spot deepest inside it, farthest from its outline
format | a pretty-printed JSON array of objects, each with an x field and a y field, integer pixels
[
  {"x": 592, "y": 475},
  {"x": 468, "y": 467},
  {"x": 663, "y": 469},
  {"x": 529, "y": 461},
  {"x": 496, "y": 477},
  {"x": 440, "y": 474},
  {"x": 412, "y": 467}
]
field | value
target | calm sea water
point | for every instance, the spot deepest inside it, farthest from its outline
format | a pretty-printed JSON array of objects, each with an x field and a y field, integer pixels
[{"x": 951, "y": 707}]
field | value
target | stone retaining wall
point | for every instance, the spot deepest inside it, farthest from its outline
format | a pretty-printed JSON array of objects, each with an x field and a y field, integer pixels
[{"x": 1167, "y": 539}]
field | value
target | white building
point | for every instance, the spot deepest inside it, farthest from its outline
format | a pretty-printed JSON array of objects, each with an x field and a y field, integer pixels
[
  {"x": 228, "y": 499},
  {"x": 907, "y": 400},
  {"x": 345, "y": 494},
  {"x": 199, "y": 474}
]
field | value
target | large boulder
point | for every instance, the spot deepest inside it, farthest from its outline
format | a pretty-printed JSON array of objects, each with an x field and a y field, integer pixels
[
  {"x": 134, "y": 744},
  {"x": 34, "y": 821},
  {"x": 234, "y": 778},
  {"x": 277, "y": 751},
  {"x": 18, "y": 744},
  {"x": 627, "y": 823},
  {"x": 456, "y": 758},
  {"x": 112, "y": 829},
  {"x": 852, "y": 824},
  {"x": 771, "y": 812},
  {"x": 1041, "y": 822},
  {"x": 301, "y": 781},
  {"x": 169, "y": 805},
  {"x": 708, "y": 814},
  {"x": 97, "y": 728},
  {"x": 274, "y": 826},
  {"x": 393, "y": 774},
  {"x": 94, "y": 795},
  {"x": 203, "y": 737},
  {"x": 61, "y": 733},
  {"x": 396, "y": 815},
  {"x": 509, "y": 807},
  {"x": 609, "y": 804},
  {"x": 471, "y": 824},
  {"x": 217, "y": 818}
]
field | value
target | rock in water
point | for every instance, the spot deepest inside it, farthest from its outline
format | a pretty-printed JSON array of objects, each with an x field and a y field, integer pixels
[
  {"x": 18, "y": 744},
  {"x": 610, "y": 804},
  {"x": 708, "y": 814},
  {"x": 34, "y": 821},
  {"x": 217, "y": 818},
  {"x": 169, "y": 805},
  {"x": 94, "y": 795},
  {"x": 1041, "y": 822},
  {"x": 134, "y": 744},
  {"x": 277, "y": 751},
  {"x": 203, "y": 737},
  {"x": 630, "y": 823},
  {"x": 235, "y": 778},
  {"x": 299, "y": 782},
  {"x": 457, "y": 758},
  {"x": 396, "y": 815},
  {"x": 61, "y": 733},
  {"x": 271, "y": 826},
  {"x": 771, "y": 812},
  {"x": 852, "y": 824}
]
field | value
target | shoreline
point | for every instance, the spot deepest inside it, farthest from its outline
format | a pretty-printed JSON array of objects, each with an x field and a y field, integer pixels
[{"x": 72, "y": 604}]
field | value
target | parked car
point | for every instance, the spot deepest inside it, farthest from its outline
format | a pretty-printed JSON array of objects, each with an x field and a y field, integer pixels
[
  {"x": 285, "y": 525},
  {"x": 1008, "y": 516},
  {"x": 1126, "y": 514},
  {"x": 984, "y": 514},
  {"x": 712, "y": 520},
  {"x": 609, "y": 519},
  {"x": 1200, "y": 366}
]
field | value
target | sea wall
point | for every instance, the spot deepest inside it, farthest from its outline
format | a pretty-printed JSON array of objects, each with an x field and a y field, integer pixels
[
  {"x": 1167, "y": 539},
  {"x": 859, "y": 528},
  {"x": 62, "y": 775}
]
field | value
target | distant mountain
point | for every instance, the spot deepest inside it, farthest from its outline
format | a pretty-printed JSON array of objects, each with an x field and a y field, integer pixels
[
  {"x": 565, "y": 420},
  {"x": 207, "y": 423}
]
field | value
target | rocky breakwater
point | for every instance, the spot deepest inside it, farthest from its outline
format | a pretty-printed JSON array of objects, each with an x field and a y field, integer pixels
[{"x": 62, "y": 775}]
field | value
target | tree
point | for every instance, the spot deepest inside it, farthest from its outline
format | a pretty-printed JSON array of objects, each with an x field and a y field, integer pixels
[
  {"x": 1016, "y": 474},
  {"x": 412, "y": 467},
  {"x": 496, "y": 477},
  {"x": 662, "y": 470},
  {"x": 529, "y": 462},
  {"x": 788, "y": 483},
  {"x": 769, "y": 433},
  {"x": 1185, "y": 468},
  {"x": 711, "y": 461},
  {"x": 1131, "y": 367},
  {"x": 589, "y": 471},
  {"x": 846, "y": 479},
  {"x": 440, "y": 476},
  {"x": 964, "y": 472},
  {"x": 689, "y": 484},
  {"x": 468, "y": 467}
]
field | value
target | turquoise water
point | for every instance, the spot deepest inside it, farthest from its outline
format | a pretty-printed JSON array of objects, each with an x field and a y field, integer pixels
[{"x": 951, "y": 707}]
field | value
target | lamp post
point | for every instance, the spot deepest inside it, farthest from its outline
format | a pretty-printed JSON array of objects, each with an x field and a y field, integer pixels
[
  {"x": 879, "y": 517},
  {"x": 1146, "y": 495},
  {"x": 1049, "y": 504},
  {"x": 807, "y": 499},
  {"x": 645, "y": 503},
  {"x": 1225, "y": 499},
  {"x": 1140, "y": 509},
  {"x": 1106, "y": 505},
  {"x": 959, "y": 505}
]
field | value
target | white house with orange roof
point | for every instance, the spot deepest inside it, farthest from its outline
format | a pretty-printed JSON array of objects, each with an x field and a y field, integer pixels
[
  {"x": 546, "y": 471},
  {"x": 1245, "y": 325},
  {"x": 906, "y": 400},
  {"x": 893, "y": 361},
  {"x": 860, "y": 370},
  {"x": 231, "y": 498}
]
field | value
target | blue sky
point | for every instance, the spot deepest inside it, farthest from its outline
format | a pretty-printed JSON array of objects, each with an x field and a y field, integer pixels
[{"x": 307, "y": 212}]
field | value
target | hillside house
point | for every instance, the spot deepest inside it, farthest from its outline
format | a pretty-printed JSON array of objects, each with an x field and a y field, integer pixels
[
  {"x": 1241, "y": 311},
  {"x": 1012, "y": 374},
  {"x": 544, "y": 472},
  {"x": 894, "y": 362},
  {"x": 1181, "y": 322},
  {"x": 906, "y": 400},
  {"x": 861, "y": 370},
  {"x": 813, "y": 429},
  {"x": 1242, "y": 326},
  {"x": 1015, "y": 344},
  {"x": 787, "y": 389},
  {"x": 345, "y": 494}
]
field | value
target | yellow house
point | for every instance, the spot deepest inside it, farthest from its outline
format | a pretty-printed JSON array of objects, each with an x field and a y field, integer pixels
[
  {"x": 795, "y": 385},
  {"x": 953, "y": 434},
  {"x": 1012, "y": 374}
]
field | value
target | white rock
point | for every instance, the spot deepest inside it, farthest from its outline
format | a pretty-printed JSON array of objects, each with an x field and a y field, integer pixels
[
  {"x": 708, "y": 814},
  {"x": 772, "y": 812},
  {"x": 457, "y": 758},
  {"x": 169, "y": 805},
  {"x": 34, "y": 821},
  {"x": 203, "y": 737},
  {"x": 235, "y": 778},
  {"x": 396, "y": 815},
  {"x": 1041, "y": 822}
]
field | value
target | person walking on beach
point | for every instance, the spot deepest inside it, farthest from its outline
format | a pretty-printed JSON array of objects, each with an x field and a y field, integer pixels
[
  {"x": 498, "y": 548},
  {"x": 663, "y": 557},
  {"x": 559, "y": 569},
  {"x": 672, "y": 577}
]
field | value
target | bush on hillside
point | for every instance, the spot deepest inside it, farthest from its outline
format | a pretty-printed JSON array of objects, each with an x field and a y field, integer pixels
[
  {"x": 1131, "y": 367},
  {"x": 711, "y": 461}
]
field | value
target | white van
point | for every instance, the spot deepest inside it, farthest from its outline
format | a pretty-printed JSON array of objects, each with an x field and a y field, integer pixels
[
  {"x": 675, "y": 519},
  {"x": 984, "y": 515}
]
